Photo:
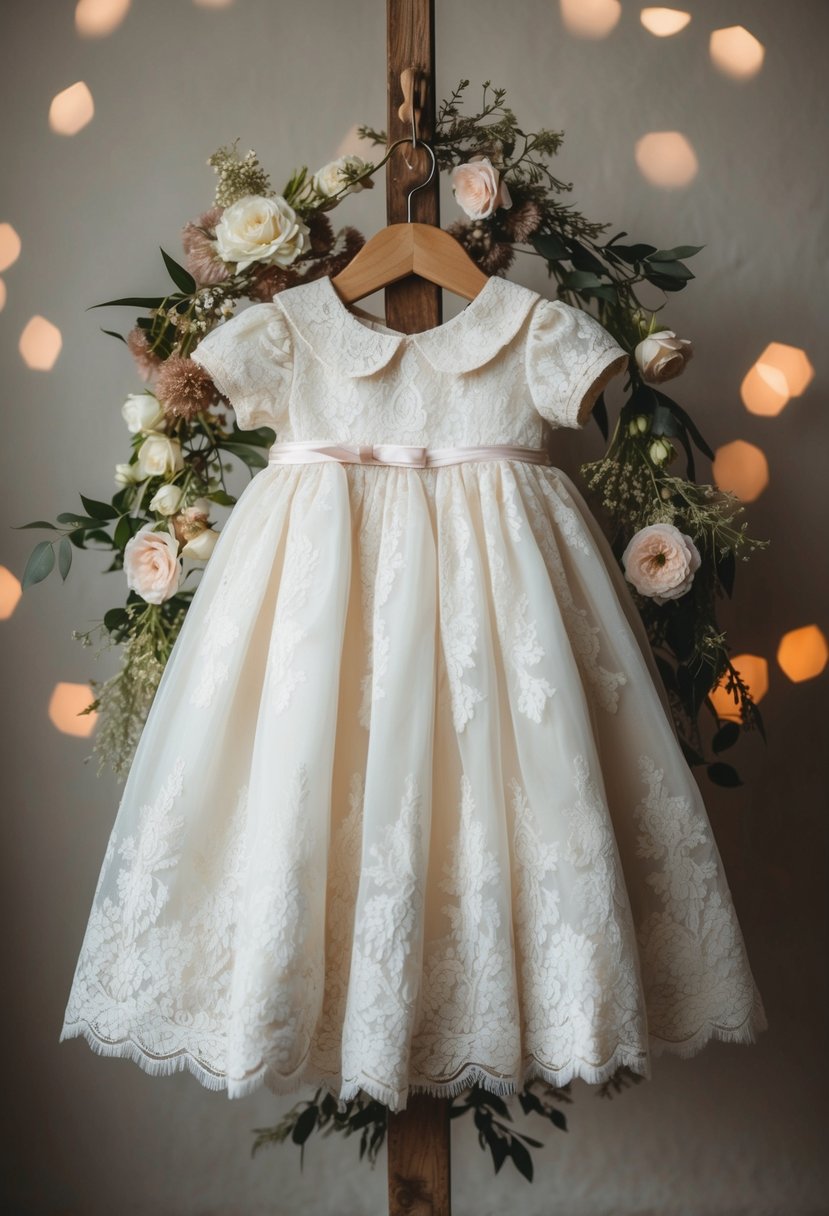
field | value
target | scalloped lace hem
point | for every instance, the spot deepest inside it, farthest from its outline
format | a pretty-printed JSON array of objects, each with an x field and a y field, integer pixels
[{"x": 344, "y": 1090}]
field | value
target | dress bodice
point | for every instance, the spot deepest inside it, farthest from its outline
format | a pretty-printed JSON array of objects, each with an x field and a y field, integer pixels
[{"x": 508, "y": 367}]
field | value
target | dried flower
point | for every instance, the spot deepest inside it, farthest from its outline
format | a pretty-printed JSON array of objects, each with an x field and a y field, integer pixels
[
  {"x": 521, "y": 222},
  {"x": 201, "y": 258},
  {"x": 146, "y": 360},
  {"x": 477, "y": 239},
  {"x": 184, "y": 388}
]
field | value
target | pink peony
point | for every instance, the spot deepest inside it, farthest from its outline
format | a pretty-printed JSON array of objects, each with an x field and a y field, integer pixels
[
  {"x": 151, "y": 564},
  {"x": 660, "y": 562},
  {"x": 478, "y": 188}
]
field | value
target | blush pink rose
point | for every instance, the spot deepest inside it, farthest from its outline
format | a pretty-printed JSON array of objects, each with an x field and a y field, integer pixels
[
  {"x": 151, "y": 564},
  {"x": 660, "y": 562},
  {"x": 479, "y": 188}
]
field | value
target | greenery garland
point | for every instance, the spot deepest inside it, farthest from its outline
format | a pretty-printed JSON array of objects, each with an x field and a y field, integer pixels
[{"x": 158, "y": 522}]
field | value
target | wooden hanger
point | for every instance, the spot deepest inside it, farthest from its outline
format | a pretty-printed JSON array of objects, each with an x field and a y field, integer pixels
[{"x": 399, "y": 250}]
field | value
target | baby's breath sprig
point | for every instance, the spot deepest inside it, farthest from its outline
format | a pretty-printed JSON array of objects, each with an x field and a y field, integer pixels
[{"x": 238, "y": 176}]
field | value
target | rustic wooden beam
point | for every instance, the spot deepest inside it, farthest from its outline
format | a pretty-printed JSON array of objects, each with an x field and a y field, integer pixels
[
  {"x": 413, "y": 304},
  {"x": 418, "y": 1137}
]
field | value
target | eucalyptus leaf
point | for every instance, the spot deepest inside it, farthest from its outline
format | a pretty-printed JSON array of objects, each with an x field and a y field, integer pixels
[
  {"x": 37, "y": 523},
  {"x": 633, "y": 253},
  {"x": 78, "y": 521},
  {"x": 64, "y": 557},
  {"x": 40, "y": 564},
  {"x": 673, "y": 270},
  {"x": 550, "y": 247},
  {"x": 670, "y": 255},
  {"x": 723, "y": 774}
]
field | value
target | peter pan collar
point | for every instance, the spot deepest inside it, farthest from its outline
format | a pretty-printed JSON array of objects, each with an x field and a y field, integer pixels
[{"x": 349, "y": 346}]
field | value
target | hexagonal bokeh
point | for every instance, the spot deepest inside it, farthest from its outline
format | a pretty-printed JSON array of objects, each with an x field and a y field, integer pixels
[{"x": 803, "y": 653}]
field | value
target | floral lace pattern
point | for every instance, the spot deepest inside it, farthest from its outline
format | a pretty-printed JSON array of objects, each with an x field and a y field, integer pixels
[{"x": 407, "y": 813}]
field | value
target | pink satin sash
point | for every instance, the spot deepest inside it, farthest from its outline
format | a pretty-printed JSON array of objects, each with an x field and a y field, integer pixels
[{"x": 305, "y": 451}]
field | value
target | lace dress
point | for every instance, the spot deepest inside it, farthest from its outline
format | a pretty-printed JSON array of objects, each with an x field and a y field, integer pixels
[{"x": 409, "y": 811}]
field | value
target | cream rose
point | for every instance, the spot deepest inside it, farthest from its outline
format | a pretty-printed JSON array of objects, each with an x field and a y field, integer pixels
[
  {"x": 142, "y": 412},
  {"x": 151, "y": 564},
  {"x": 159, "y": 456},
  {"x": 330, "y": 179},
  {"x": 479, "y": 188},
  {"x": 662, "y": 356},
  {"x": 259, "y": 229},
  {"x": 202, "y": 545},
  {"x": 166, "y": 500},
  {"x": 127, "y": 474},
  {"x": 660, "y": 562}
]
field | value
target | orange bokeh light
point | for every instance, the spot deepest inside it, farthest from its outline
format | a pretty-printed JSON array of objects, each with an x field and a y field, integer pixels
[
  {"x": 781, "y": 372},
  {"x": 97, "y": 18},
  {"x": 72, "y": 109},
  {"x": 2, "y": 295},
  {"x": 590, "y": 18},
  {"x": 40, "y": 344},
  {"x": 666, "y": 159},
  {"x": 736, "y": 52},
  {"x": 754, "y": 672},
  {"x": 742, "y": 469},
  {"x": 803, "y": 653},
  {"x": 9, "y": 246},
  {"x": 663, "y": 22},
  {"x": 66, "y": 703},
  {"x": 10, "y": 593}
]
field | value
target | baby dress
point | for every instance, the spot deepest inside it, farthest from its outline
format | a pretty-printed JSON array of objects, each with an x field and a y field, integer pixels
[{"x": 409, "y": 811}]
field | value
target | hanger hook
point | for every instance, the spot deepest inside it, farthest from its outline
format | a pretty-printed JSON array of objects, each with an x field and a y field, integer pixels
[{"x": 420, "y": 185}]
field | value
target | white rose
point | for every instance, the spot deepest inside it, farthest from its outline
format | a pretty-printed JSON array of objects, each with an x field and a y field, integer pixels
[
  {"x": 127, "y": 474},
  {"x": 142, "y": 412},
  {"x": 478, "y": 188},
  {"x": 166, "y": 500},
  {"x": 159, "y": 456},
  {"x": 330, "y": 179},
  {"x": 259, "y": 229},
  {"x": 151, "y": 564},
  {"x": 662, "y": 356},
  {"x": 201, "y": 546}
]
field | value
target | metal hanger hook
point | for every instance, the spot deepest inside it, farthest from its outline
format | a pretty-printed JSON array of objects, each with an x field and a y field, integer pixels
[{"x": 414, "y": 189}]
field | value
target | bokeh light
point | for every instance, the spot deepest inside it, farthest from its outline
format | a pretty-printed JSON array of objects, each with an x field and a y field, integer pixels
[
  {"x": 2, "y": 295},
  {"x": 663, "y": 22},
  {"x": 10, "y": 593},
  {"x": 590, "y": 18},
  {"x": 97, "y": 18},
  {"x": 781, "y": 372},
  {"x": 66, "y": 703},
  {"x": 666, "y": 159},
  {"x": 40, "y": 344},
  {"x": 754, "y": 672},
  {"x": 803, "y": 653},
  {"x": 736, "y": 52},
  {"x": 213, "y": 3},
  {"x": 72, "y": 109},
  {"x": 9, "y": 246},
  {"x": 741, "y": 468}
]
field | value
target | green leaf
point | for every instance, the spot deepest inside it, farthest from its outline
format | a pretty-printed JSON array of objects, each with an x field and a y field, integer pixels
[
  {"x": 64, "y": 557},
  {"x": 37, "y": 523},
  {"x": 112, "y": 334},
  {"x": 182, "y": 278},
  {"x": 305, "y": 1124},
  {"x": 578, "y": 279},
  {"x": 222, "y": 498},
  {"x": 78, "y": 521},
  {"x": 670, "y": 255},
  {"x": 251, "y": 456},
  {"x": 115, "y": 619},
  {"x": 523, "y": 1160},
  {"x": 726, "y": 736},
  {"x": 133, "y": 302},
  {"x": 550, "y": 247},
  {"x": 633, "y": 253},
  {"x": 665, "y": 282},
  {"x": 723, "y": 774},
  {"x": 99, "y": 510},
  {"x": 40, "y": 564}
]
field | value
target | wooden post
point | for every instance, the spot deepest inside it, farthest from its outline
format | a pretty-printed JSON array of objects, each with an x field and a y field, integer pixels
[{"x": 418, "y": 1137}]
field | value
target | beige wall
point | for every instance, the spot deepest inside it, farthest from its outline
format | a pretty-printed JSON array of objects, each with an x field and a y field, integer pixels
[{"x": 735, "y": 1130}]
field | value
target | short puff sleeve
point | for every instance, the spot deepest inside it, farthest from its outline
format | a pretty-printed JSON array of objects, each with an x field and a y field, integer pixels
[
  {"x": 250, "y": 360},
  {"x": 570, "y": 358}
]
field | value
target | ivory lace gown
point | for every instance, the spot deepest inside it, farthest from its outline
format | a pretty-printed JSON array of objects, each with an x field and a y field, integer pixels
[{"x": 409, "y": 810}]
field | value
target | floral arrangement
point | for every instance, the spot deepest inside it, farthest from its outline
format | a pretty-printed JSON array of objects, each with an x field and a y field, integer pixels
[{"x": 677, "y": 540}]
